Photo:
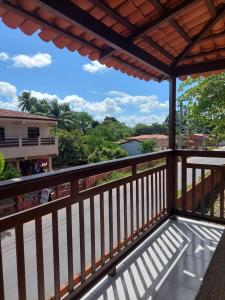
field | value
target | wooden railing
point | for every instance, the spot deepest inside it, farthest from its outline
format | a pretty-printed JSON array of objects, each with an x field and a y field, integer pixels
[
  {"x": 201, "y": 193},
  {"x": 100, "y": 225},
  {"x": 48, "y": 141},
  {"x": 16, "y": 142},
  {"x": 29, "y": 141}
]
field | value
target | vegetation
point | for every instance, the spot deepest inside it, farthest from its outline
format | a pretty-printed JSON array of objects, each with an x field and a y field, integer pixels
[
  {"x": 2, "y": 163},
  {"x": 203, "y": 100},
  {"x": 155, "y": 128},
  {"x": 148, "y": 146},
  {"x": 7, "y": 171},
  {"x": 113, "y": 176}
]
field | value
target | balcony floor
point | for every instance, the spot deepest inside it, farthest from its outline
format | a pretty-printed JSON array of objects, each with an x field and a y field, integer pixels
[{"x": 168, "y": 265}]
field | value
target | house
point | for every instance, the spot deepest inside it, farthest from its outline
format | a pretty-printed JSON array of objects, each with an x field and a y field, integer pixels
[
  {"x": 132, "y": 144},
  {"x": 26, "y": 142}
]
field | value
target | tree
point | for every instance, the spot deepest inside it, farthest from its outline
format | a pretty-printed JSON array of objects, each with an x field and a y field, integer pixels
[
  {"x": 154, "y": 128},
  {"x": 2, "y": 163},
  {"x": 148, "y": 146},
  {"x": 26, "y": 102},
  {"x": 104, "y": 154},
  {"x": 205, "y": 98},
  {"x": 9, "y": 172}
]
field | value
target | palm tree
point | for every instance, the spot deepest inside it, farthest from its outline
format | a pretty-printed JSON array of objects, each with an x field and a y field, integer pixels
[{"x": 26, "y": 102}]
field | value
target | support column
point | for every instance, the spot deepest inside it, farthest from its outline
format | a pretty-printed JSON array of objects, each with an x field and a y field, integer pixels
[
  {"x": 18, "y": 165},
  {"x": 172, "y": 161},
  {"x": 50, "y": 163}
]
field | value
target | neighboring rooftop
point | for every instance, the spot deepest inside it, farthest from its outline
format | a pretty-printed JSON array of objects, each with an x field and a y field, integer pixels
[{"x": 11, "y": 114}]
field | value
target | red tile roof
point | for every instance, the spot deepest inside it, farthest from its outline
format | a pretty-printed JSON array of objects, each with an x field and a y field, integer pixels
[
  {"x": 168, "y": 31},
  {"x": 148, "y": 136},
  {"x": 11, "y": 114}
]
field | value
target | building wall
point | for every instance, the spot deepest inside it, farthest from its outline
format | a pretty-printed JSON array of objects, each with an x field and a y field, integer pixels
[{"x": 132, "y": 147}]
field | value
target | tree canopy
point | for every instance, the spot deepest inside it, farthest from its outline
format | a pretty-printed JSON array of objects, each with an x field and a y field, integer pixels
[{"x": 148, "y": 146}]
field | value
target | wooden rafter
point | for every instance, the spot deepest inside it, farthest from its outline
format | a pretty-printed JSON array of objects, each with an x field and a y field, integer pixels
[
  {"x": 82, "y": 42},
  {"x": 172, "y": 22},
  {"x": 211, "y": 7},
  {"x": 199, "y": 68},
  {"x": 103, "y": 6},
  {"x": 82, "y": 19},
  {"x": 199, "y": 36},
  {"x": 165, "y": 17}
]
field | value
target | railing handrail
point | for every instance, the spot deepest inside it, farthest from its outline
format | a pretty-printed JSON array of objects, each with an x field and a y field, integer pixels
[
  {"x": 10, "y": 188},
  {"x": 200, "y": 153}
]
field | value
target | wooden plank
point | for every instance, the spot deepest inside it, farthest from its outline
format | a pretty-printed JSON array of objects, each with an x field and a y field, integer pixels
[
  {"x": 131, "y": 211},
  {"x": 203, "y": 191},
  {"x": 152, "y": 199},
  {"x": 148, "y": 200},
  {"x": 222, "y": 188},
  {"x": 200, "y": 153},
  {"x": 92, "y": 223},
  {"x": 118, "y": 218},
  {"x": 184, "y": 182},
  {"x": 20, "y": 260},
  {"x": 156, "y": 194},
  {"x": 193, "y": 189},
  {"x": 110, "y": 224},
  {"x": 137, "y": 206},
  {"x": 125, "y": 212},
  {"x": 142, "y": 203},
  {"x": 55, "y": 241},
  {"x": 2, "y": 293},
  {"x": 82, "y": 240},
  {"x": 102, "y": 228},
  {"x": 212, "y": 194},
  {"x": 160, "y": 193},
  {"x": 69, "y": 234},
  {"x": 40, "y": 259}
]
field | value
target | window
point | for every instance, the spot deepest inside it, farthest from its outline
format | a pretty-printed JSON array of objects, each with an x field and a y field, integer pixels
[
  {"x": 33, "y": 132},
  {"x": 2, "y": 133}
]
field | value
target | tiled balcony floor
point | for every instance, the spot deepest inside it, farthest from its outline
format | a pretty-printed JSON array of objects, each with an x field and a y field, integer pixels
[{"x": 168, "y": 265}]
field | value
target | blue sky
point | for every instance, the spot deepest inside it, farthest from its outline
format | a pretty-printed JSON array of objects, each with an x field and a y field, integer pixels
[{"x": 28, "y": 63}]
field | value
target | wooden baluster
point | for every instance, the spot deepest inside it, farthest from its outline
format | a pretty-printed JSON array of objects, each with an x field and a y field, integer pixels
[
  {"x": 202, "y": 191},
  {"x": 125, "y": 212},
  {"x": 212, "y": 195},
  {"x": 160, "y": 193},
  {"x": 142, "y": 203},
  {"x": 82, "y": 241},
  {"x": 55, "y": 240},
  {"x": 164, "y": 191},
  {"x": 118, "y": 218},
  {"x": 222, "y": 187},
  {"x": 184, "y": 183},
  {"x": 156, "y": 195},
  {"x": 131, "y": 211},
  {"x": 137, "y": 206},
  {"x": 152, "y": 199},
  {"x": 193, "y": 190},
  {"x": 110, "y": 225},
  {"x": 21, "y": 277},
  {"x": 92, "y": 223},
  {"x": 40, "y": 260},
  {"x": 147, "y": 199},
  {"x": 2, "y": 294},
  {"x": 102, "y": 228}
]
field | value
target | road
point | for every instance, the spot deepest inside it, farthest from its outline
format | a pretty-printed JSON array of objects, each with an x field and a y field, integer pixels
[{"x": 8, "y": 241}]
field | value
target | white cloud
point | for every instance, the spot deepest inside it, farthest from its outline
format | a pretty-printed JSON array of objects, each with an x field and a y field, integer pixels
[
  {"x": 38, "y": 60},
  {"x": 8, "y": 97},
  {"x": 4, "y": 56},
  {"x": 132, "y": 120},
  {"x": 7, "y": 90},
  {"x": 94, "y": 67},
  {"x": 40, "y": 95}
]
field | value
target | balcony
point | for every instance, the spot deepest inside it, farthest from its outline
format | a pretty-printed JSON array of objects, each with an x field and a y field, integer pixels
[
  {"x": 125, "y": 228},
  {"x": 28, "y": 147}
]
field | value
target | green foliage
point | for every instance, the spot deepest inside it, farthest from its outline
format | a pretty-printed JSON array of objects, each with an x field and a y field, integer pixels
[
  {"x": 2, "y": 163},
  {"x": 26, "y": 102},
  {"x": 148, "y": 146},
  {"x": 9, "y": 172},
  {"x": 113, "y": 176},
  {"x": 155, "y": 128},
  {"x": 205, "y": 104},
  {"x": 104, "y": 154}
]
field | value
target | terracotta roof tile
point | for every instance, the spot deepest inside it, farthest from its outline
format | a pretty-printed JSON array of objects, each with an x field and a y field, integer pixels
[
  {"x": 30, "y": 17},
  {"x": 11, "y": 114}
]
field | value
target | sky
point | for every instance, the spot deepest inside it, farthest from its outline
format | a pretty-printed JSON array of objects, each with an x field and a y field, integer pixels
[{"x": 28, "y": 63}]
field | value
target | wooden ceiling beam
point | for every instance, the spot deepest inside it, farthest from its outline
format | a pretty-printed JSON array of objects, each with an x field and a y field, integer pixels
[
  {"x": 199, "y": 36},
  {"x": 199, "y": 68},
  {"x": 82, "y": 19}
]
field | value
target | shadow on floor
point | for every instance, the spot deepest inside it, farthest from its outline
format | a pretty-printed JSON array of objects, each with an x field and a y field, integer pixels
[{"x": 168, "y": 265}]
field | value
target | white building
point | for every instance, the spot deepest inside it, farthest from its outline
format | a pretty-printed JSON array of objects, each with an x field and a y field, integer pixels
[{"x": 25, "y": 140}]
